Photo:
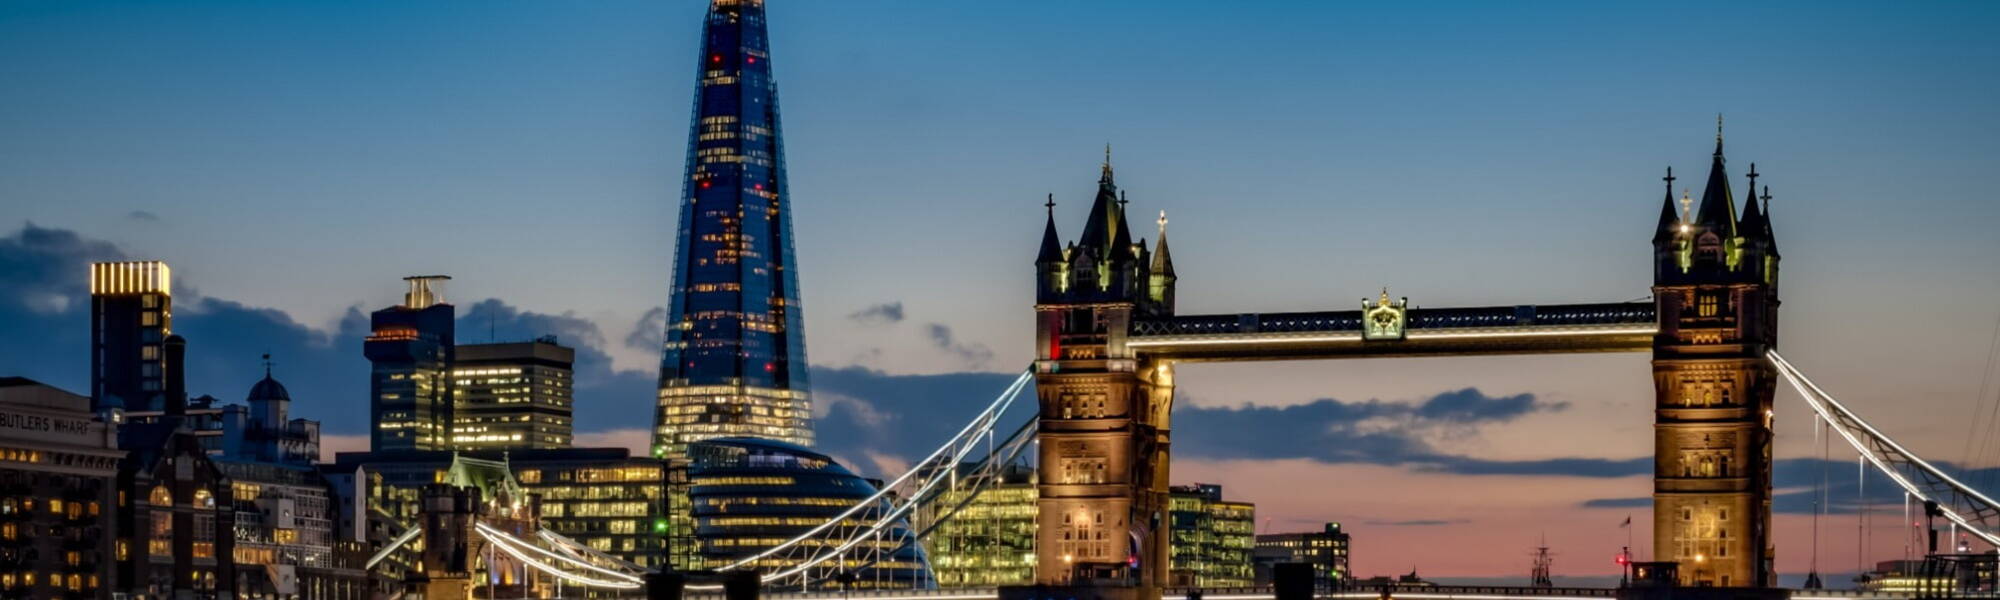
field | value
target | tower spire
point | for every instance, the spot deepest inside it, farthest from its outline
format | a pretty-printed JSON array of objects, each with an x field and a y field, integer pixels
[
  {"x": 1105, "y": 177},
  {"x": 1718, "y": 134},
  {"x": 1718, "y": 207}
]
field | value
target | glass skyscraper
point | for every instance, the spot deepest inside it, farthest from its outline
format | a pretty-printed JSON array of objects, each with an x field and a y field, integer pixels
[{"x": 734, "y": 362}]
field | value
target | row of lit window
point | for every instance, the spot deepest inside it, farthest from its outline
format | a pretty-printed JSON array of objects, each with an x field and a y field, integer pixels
[{"x": 74, "y": 582}]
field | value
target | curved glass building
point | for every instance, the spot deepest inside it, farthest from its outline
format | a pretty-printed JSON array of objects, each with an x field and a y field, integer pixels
[{"x": 750, "y": 494}]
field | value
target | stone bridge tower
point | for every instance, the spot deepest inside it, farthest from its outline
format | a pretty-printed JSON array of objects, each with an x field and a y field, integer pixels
[
  {"x": 1715, "y": 279},
  {"x": 1104, "y": 408}
]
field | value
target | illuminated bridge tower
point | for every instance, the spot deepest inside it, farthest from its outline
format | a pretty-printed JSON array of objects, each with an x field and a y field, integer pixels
[
  {"x": 734, "y": 362},
  {"x": 1104, "y": 408},
  {"x": 1715, "y": 279}
]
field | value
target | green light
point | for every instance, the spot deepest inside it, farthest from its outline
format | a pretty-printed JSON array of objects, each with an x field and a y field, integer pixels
[{"x": 660, "y": 526}]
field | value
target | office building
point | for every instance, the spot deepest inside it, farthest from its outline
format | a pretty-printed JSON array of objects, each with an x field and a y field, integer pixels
[
  {"x": 991, "y": 540},
  {"x": 1210, "y": 538},
  {"x": 131, "y": 315},
  {"x": 410, "y": 388},
  {"x": 603, "y": 498},
  {"x": 748, "y": 495},
  {"x": 1325, "y": 550},
  {"x": 58, "y": 473},
  {"x": 513, "y": 395},
  {"x": 287, "y": 540},
  {"x": 734, "y": 361}
]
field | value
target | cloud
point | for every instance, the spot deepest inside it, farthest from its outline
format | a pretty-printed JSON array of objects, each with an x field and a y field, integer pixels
[
  {"x": 1377, "y": 432},
  {"x": 880, "y": 314},
  {"x": 143, "y": 216},
  {"x": 974, "y": 355},
  {"x": 650, "y": 332},
  {"x": 869, "y": 413}
]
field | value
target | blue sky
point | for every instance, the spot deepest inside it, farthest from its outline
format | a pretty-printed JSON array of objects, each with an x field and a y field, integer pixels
[{"x": 292, "y": 160}]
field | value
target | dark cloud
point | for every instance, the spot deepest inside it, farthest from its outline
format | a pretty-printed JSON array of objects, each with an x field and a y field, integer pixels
[
  {"x": 974, "y": 355},
  {"x": 1376, "y": 432},
  {"x": 905, "y": 416},
  {"x": 880, "y": 314},
  {"x": 650, "y": 332},
  {"x": 45, "y": 304},
  {"x": 144, "y": 216},
  {"x": 45, "y": 301}
]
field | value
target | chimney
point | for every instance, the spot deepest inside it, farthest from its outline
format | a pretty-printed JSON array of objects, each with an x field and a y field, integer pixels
[{"x": 176, "y": 375}]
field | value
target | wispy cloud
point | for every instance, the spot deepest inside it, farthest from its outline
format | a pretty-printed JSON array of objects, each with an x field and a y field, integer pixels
[
  {"x": 974, "y": 355},
  {"x": 885, "y": 313},
  {"x": 143, "y": 216}
]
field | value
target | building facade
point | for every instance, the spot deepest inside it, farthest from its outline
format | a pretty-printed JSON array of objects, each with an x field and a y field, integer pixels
[
  {"x": 1715, "y": 280},
  {"x": 1212, "y": 538},
  {"x": 410, "y": 347},
  {"x": 734, "y": 361},
  {"x": 1326, "y": 550},
  {"x": 58, "y": 474},
  {"x": 604, "y": 498},
  {"x": 991, "y": 540},
  {"x": 748, "y": 495},
  {"x": 513, "y": 395},
  {"x": 131, "y": 315}
]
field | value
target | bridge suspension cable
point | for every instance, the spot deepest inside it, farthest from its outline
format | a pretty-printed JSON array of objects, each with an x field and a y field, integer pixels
[
  {"x": 405, "y": 538},
  {"x": 525, "y": 552},
  {"x": 874, "y": 528},
  {"x": 1974, "y": 511}
]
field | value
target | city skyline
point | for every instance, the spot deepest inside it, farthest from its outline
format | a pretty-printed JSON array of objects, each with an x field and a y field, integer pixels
[{"x": 1514, "y": 222}]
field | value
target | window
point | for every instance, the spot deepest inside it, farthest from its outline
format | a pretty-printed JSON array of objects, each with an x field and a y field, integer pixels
[
  {"x": 1708, "y": 305},
  {"x": 161, "y": 497}
]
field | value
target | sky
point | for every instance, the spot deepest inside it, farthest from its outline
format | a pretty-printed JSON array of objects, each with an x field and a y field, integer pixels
[{"x": 292, "y": 160}]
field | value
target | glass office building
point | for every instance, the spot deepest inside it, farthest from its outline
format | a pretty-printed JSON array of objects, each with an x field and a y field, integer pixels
[
  {"x": 749, "y": 495},
  {"x": 734, "y": 362},
  {"x": 1211, "y": 538}
]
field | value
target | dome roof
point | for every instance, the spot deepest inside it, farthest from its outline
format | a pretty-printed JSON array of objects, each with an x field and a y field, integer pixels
[{"x": 269, "y": 389}]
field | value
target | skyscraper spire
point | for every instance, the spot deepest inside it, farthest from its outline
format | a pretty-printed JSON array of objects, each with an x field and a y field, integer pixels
[{"x": 735, "y": 338}]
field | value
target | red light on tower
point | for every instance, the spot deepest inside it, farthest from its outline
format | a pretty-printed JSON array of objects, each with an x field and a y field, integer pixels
[{"x": 752, "y": 59}]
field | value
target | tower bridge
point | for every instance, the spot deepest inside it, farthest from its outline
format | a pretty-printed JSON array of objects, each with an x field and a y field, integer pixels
[{"x": 1108, "y": 341}]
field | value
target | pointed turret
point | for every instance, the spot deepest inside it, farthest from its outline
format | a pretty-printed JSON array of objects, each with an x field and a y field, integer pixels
[
  {"x": 1753, "y": 217},
  {"x": 1764, "y": 221},
  {"x": 1051, "y": 244},
  {"x": 1105, "y": 230},
  {"x": 1670, "y": 220},
  {"x": 1718, "y": 207},
  {"x": 1163, "y": 264}
]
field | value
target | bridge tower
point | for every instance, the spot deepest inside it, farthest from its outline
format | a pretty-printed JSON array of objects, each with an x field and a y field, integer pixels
[
  {"x": 1715, "y": 279},
  {"x": 1104, "y": 407}
]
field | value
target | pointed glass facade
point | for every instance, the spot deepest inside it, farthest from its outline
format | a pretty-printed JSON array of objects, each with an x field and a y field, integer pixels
[{"x": 734, "y": 363}]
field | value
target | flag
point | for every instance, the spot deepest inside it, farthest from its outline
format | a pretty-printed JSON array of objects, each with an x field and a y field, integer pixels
[{"x": 1627, "y": 523}]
